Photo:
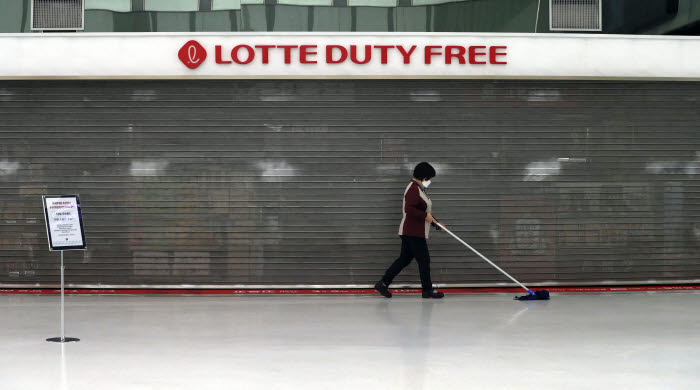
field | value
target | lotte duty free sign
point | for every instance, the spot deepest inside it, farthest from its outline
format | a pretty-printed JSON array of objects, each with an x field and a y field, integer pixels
[
  {"x": 64, "y": 222},
  {"x": 347, "y": 55},
  {"x": 193, "y": 54}
]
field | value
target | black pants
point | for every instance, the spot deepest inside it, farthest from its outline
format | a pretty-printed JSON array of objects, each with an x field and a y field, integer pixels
[{"x": 412, "y": 247}]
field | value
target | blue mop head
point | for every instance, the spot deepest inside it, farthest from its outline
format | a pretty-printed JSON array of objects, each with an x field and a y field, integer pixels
[{"x": 534, "y": 296}]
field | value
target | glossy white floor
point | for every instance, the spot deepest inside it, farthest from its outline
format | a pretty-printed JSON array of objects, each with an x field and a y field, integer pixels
[{"x": 575, "y": 341}]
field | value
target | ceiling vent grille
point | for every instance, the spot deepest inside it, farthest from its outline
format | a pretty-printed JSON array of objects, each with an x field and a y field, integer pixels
[
  {"x": 575, "y": 15},
  {"x": 58, "y": 14}
]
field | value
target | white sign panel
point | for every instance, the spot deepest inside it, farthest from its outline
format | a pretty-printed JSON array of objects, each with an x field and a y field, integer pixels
[
  {"x": 347, "y": 55},
  {"x": 64, "y": 222}
]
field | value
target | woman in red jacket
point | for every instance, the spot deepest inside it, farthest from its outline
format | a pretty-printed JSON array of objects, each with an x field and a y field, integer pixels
[{"x": 414, "y": 230}]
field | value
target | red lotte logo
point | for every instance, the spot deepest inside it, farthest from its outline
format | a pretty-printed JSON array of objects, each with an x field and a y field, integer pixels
[{"x": 192, "y": 54}]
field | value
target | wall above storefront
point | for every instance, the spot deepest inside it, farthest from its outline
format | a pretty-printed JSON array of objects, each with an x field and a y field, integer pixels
[{"x": 524, "y": 16}]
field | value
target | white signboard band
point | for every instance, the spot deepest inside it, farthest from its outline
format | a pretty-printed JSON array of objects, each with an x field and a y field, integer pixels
[{"x": 347, "y": 55}]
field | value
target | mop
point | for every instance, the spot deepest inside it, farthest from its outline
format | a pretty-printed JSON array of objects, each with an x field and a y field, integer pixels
[{"x": 532, "y": 295}]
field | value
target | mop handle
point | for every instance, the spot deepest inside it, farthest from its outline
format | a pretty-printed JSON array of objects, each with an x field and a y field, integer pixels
[{"x": 487, "y": 260}]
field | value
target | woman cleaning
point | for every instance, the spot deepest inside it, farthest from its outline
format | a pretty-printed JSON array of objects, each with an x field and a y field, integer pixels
[{"x": 413, "y": 231}]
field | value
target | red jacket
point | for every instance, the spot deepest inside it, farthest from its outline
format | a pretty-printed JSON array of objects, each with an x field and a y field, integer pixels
[{"x": 416, "y": 206}]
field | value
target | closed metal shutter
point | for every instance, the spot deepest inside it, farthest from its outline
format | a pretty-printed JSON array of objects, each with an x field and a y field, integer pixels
[{"x": 299, "y": 182}]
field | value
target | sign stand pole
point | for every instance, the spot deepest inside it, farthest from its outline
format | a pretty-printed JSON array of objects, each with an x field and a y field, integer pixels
[
  {"x": 63, "y": 338},
  {"x": 64, "y": 229},
  {"x": 63, "y": 305}
]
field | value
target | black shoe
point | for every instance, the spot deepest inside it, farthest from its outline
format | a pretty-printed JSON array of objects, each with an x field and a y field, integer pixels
[
  {"x": 383, "y": 289},
  {"x": 433, "y": 294}
]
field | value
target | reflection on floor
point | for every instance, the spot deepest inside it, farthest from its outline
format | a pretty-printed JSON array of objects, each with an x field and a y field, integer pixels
[{"x": 472, "y": 341}]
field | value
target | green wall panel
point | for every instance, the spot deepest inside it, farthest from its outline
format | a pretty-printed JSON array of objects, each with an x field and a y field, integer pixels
[
  {"x": 14, "y": 17},
  {"x": 109, "y": 5},
  {"x": 332, "y": 19},
  {"x": 99, "y": 21}
]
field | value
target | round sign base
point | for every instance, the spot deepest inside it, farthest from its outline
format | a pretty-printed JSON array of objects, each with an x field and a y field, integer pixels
[{"x": 65, "y": 340}]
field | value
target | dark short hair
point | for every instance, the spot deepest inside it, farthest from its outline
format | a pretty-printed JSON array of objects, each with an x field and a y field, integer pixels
[{"x": 423, "y": 171}]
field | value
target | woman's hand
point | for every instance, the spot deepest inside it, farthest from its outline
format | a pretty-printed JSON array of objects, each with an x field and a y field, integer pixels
[{"x": 434, "y": 221}]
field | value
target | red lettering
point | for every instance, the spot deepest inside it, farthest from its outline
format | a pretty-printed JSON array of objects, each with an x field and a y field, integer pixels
[
  {"x": 287, "y": 52},
  {"x": 218, "y": 56},
  {"x": 429, "y": 53},
  {"x": 329, "y": 54},
  {"x": 336, "y": 54},
  {"x": 493, "y": 52},
  {"x": 265, "y": 52},
  {"x": 384, "y": 51},
  {"x": 459, "y": 55},
  {"x": 353, "y": 54},
  {"x": 406, "y": 55},
  {"x": 473, "y": 53},
  {"x": 234, "y": 54},
  {"x": 304, "y": 53}
]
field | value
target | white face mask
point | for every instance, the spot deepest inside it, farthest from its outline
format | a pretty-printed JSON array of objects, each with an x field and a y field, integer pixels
[{"x": 426, "y": 183}]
